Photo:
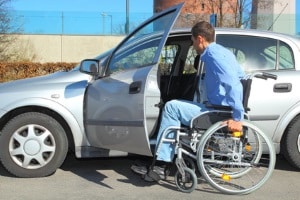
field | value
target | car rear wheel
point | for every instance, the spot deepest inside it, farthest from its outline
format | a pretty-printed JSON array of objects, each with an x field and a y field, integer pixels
[
  {"x": 33, "y": 145},
  {"x": 290, "y": 144}
]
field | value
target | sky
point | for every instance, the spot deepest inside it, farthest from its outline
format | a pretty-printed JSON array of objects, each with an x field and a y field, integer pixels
[
  {"x": 83, "y": 5},
  {"x": 78, "y": 16},
  {"x": 298, "y": 17}
]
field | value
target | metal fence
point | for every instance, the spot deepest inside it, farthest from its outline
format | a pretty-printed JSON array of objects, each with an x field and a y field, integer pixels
[
  {"x": 109, "y": 23},
  {"x": 75, "y": 23}
]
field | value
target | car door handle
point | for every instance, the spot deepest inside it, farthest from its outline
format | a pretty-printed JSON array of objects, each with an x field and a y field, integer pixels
[
  {"x": 135, "y": 87},
  {"x": 282, "y": 87}
]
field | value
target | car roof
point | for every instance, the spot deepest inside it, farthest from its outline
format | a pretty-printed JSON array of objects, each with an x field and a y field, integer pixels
[
  {"x": 253, "y": 32},
  {"x": 240, "y": 31}
]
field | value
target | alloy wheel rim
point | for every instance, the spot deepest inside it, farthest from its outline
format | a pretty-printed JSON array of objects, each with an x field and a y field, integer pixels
[{"x": 32, "y": 146}]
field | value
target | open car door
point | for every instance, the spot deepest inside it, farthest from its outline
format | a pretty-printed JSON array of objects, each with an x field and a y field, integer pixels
[{"x": 121, "y": 107}]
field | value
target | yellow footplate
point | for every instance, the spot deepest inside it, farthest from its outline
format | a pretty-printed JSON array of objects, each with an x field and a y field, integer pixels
[{"x": 226, "y": 177}]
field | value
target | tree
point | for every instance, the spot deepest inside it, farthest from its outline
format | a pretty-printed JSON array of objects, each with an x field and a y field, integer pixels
[
  {"x": 231, "y": 13},
  {"x": 242, "y": 13},
  {"x": 7, "y": 30}
]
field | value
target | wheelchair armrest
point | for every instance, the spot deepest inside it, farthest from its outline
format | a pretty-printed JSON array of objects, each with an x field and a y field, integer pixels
[
  {"x": 223, "y": 108},
  {"x": 218, "y": 107}
]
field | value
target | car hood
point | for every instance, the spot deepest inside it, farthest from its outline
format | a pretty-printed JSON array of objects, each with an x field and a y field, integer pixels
[{"x": 48, "y": 82}]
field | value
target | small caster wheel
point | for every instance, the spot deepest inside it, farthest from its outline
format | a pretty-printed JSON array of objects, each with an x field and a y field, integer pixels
[{"x": 188, "y": 183}]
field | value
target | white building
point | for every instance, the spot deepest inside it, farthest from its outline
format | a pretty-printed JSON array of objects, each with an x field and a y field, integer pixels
[{"x": 275, "y": 15}]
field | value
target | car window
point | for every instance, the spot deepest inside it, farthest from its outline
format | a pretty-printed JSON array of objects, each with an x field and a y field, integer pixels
[
  {"x": 258, "y": 53},
  {"x": 167, "y": 59},
  {"x": 250, "y": 51},
  {"x": 239, "y": 54},
  {"x": 168, "y": 56},
  {"x": 136, "y": 54},
  {"x": 286, "y": 57},
  {"x": 189, "y": 67},
  {"x": 141, "y": 48}
]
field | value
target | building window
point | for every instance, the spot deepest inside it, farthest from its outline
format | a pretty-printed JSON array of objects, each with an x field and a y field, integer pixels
[{"x": 202, "y": 6}]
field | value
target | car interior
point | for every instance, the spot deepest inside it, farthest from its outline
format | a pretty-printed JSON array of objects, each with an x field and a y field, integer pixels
[{"x": 178, "y": 69}]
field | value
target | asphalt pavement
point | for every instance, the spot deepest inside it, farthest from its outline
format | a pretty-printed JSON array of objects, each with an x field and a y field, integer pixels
[{"x": 111, "y": 178}]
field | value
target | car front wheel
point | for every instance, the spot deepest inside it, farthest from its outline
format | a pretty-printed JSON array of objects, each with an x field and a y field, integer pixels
[
  {"x": 290, "y": 144},
  {"x": 33, "y": 145}
]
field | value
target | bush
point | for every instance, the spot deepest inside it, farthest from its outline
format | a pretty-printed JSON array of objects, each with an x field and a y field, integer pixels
[{"x": 19, "y": 70}]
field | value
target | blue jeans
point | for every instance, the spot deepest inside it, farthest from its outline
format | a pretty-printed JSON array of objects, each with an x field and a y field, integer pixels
[{"x": 175, "y": 113}]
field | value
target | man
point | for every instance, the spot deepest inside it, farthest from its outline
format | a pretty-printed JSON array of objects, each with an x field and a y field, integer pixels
[{"x": 223, "y": 87}]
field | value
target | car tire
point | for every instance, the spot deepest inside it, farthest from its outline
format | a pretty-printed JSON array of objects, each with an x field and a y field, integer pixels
[
  {"x": 290, "y": 143},
  {"x": 33, "y": 145}
]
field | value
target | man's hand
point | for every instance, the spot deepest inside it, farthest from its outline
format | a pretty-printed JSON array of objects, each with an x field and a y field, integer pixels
[{"x": 234, "y": 125}]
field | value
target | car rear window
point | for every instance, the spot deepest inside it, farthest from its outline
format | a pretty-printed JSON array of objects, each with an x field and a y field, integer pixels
[{"x": 259, "y": 53}]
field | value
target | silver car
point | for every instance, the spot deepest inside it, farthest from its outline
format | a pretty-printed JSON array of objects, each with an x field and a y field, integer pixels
[{"x": 110, "y": 105}]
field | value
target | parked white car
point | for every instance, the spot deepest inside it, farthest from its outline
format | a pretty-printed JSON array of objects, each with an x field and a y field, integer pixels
[{"x": 109, "y": 106}]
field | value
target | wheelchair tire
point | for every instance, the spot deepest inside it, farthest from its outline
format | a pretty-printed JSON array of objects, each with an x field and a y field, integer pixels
[
  {"x": 235, "y": 165},
  {"x": 190, "y": 163},
  {"x": 189, "y": 183}
]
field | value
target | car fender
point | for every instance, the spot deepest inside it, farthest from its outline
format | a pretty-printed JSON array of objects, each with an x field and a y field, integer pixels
[
  {"x": 285, "y": 121},
  {"x": 76, "y": 127}
]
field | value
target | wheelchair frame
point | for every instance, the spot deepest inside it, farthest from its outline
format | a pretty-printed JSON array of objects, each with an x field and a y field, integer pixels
[{"x": 228, "y": 167}]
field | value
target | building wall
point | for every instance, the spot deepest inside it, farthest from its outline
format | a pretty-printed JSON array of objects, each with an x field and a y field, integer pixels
[
  {"x": 65, "y": 48},
  {"x": 285, "y": 16},
  {"x": 297, "y": 17},
  {"x": 278, "y": 15}
]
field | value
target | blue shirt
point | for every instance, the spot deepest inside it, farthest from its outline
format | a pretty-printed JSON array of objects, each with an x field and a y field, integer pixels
[{"x": 222, "y": 79}]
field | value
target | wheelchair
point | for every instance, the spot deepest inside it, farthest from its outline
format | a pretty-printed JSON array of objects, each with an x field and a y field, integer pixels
[{"x": 231, "y": 162}]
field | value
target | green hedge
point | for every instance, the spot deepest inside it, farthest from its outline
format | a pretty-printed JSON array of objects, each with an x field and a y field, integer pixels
[{"x": 20, "y": 70}]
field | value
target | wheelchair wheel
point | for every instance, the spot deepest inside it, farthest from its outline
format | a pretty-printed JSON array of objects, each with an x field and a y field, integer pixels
[
  {"x": 236, "y": 163},
  {"x": 188, "y": 183}
]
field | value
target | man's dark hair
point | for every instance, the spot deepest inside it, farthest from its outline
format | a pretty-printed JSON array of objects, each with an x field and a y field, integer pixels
[{"x": 205, "y": 30}]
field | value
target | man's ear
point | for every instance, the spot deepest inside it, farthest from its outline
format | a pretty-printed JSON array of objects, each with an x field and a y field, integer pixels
[{"x": 200, "y": 38}]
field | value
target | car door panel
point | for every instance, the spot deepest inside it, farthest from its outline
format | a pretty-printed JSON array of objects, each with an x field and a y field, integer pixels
[
  {"x": 270, "y": 96},
  {"x": 116, "y": 114}
]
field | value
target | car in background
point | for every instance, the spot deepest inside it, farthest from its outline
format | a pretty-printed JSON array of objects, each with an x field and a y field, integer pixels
[{"x": 109, "y": 106}]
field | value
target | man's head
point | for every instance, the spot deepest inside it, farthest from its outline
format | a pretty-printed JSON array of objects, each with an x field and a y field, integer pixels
[{"x": 203, "y": 33}]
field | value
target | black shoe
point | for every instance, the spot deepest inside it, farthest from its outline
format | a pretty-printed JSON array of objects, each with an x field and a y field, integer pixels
[
  {"x": 139, "y": 169},
  {"x": 155, "y": 174},
  {"x": 158, "y": 173}
]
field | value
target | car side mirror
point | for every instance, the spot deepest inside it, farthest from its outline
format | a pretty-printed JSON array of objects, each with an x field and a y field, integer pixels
[{"x": 90, "y": 66}]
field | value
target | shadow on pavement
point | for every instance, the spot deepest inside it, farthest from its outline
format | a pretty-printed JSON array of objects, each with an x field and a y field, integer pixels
[{"x": 91, "y": 169}]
